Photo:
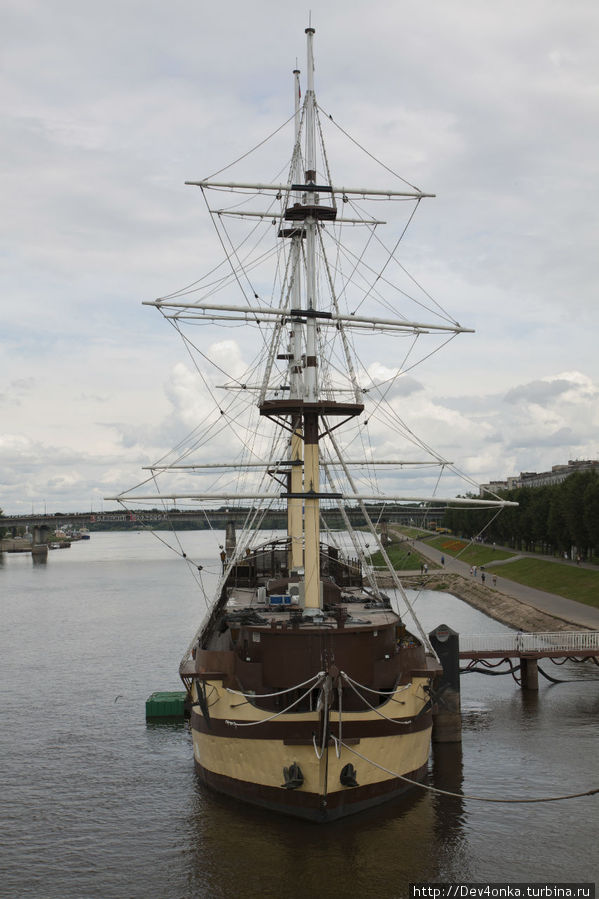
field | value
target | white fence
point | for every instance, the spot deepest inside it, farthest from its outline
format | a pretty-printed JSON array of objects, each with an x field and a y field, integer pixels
[{"x": 568, "y": 641}]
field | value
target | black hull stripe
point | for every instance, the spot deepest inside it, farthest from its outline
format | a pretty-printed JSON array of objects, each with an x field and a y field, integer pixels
[
  {"x": 302, "y": 731},
  {"x": 311, "y": 806}
]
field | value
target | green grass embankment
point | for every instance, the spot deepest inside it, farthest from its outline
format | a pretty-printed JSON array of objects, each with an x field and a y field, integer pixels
[
  {"x": 563, "y": 579},
  {"x": 402, "y": 556},
  {"x": 471, "y": 553},
  {"x": 417, "y": 533},
  {"x": 579, "y": 584}
]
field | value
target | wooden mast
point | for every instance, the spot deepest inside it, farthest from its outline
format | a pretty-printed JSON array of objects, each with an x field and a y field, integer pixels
[
  {"x": 294, "y": 504},
  {"x": 311, "y": 460}
]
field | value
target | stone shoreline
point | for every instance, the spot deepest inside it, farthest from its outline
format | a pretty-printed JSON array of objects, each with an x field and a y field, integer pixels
[{"x": 492, "y": 602}]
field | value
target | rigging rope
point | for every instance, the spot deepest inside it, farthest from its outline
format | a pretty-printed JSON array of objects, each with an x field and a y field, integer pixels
[
  {"x": 439, "y": 308},
  {"x": 364, "y": 150},
  {"x": 390, "y": 256},
  {"x": 253, "y": 149}
]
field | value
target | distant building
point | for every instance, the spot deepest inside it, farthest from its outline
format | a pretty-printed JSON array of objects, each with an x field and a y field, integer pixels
[{"x": 557, "y": 474}]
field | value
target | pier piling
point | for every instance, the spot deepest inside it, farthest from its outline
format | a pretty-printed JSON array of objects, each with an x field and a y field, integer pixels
[
  {"x": 447, "y": 714},
  {"x": 529, "y": 673}
]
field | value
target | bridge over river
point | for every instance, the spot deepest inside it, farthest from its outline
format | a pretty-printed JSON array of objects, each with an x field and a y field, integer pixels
[{"x": 208, "y": 516}]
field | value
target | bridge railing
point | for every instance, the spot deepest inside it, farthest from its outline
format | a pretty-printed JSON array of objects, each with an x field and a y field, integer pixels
[{"x": 570, "y": 641}]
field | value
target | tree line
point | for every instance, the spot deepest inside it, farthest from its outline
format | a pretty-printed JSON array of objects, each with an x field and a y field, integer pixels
[{"x": 554, "y": 519}]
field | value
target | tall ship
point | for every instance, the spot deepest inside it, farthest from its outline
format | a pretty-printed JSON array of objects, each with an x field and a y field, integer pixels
[{"x": 311, "y": 689}]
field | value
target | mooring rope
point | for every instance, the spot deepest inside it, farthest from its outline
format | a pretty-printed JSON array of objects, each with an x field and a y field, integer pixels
[
  {"x": 452, "y": 795},
  {"x": 377, "y": 692},
  {"x": 279, "y": 693},
  {"x": 371, "y": 707},
  {"x": 276, "y": 715}
]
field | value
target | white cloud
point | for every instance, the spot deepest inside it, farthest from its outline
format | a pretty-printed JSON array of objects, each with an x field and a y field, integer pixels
[{"x": 109, "y": 109}]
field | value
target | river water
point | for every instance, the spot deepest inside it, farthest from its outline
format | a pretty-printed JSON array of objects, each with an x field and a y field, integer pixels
[{"x": 96, "y": 804}]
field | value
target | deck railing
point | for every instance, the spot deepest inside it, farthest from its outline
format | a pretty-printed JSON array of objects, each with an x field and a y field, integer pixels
[{"x": 570, "y": 641}]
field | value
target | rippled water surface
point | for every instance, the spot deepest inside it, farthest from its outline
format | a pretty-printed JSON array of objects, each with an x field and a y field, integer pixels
[{"x": 95, "y": 803}]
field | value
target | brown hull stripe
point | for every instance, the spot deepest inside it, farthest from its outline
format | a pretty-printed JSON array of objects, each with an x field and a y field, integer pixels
[
  {"x": 311, "y": 806},
  {"x": 301, "y": 731}
]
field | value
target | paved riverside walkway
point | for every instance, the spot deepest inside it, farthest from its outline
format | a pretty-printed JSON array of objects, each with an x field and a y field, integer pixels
[{"x": 550, "y": 603}]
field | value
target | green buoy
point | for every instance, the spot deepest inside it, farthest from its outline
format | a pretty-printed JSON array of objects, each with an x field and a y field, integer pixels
[{"x": 166, "y": 705}]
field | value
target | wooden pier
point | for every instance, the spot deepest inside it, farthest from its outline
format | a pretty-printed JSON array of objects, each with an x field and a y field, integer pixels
[
  {"x": 528, "y": 649},
  {"x": 484, "y": 652}
]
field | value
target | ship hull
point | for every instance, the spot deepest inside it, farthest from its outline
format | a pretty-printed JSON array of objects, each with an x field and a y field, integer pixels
[
  {"x": 240, "y": 753},
  {"x": 310, "y": 806}
]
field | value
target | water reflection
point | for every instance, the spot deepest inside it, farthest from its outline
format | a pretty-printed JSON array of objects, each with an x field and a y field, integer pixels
[
  {"x": 99, "y": 804},
  {"x": 450, "y": 812},
  {"x": 238, "y": 850},
  {"x": 529, "y": 704}
]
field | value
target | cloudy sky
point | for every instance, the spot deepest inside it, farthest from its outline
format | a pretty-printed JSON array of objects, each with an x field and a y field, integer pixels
[{"x": 107, "y": 108}]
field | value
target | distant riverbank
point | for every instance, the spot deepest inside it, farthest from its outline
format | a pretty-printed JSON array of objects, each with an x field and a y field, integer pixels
[
  {"x": 545, "y": 603},
  {"x": 494, "y": 603}
]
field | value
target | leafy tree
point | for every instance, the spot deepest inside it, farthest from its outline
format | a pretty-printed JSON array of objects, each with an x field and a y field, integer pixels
[
  {"x": 552, "y": 517},
  {"x": 573, "y": 489},
  {"x": 556, "y": 522},
  {"x": 590, "y": 513}
]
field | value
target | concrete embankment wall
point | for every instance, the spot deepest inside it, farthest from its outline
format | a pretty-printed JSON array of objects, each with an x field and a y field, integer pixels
[{"x": 492, "y": 602}]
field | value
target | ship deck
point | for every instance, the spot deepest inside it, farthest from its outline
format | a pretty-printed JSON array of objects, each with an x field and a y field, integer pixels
[{"x": 356, "y": 610}]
